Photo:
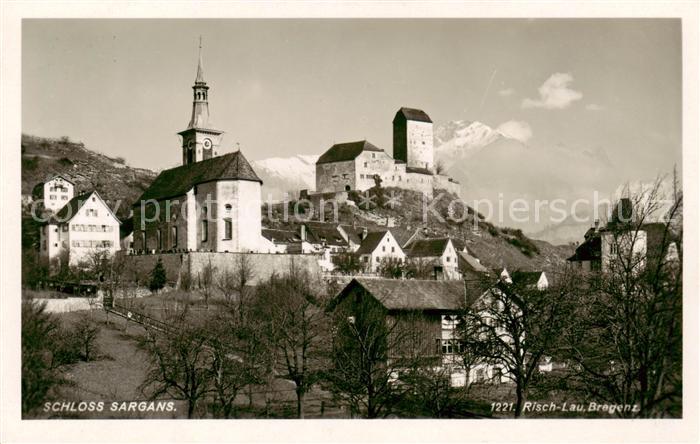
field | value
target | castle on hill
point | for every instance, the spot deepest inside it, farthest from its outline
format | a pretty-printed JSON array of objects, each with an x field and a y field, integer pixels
[{"x": 358, "y": 165}]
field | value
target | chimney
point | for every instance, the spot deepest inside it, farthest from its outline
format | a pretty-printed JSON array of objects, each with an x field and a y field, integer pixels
[{"x": 303, "y": 233}]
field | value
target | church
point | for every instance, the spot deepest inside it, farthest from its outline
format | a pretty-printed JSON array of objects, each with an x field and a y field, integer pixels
[{"x": 209, "y": 203}]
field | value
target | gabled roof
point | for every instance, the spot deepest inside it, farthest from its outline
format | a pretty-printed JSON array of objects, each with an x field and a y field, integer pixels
[
  {"x": 341, "y": 152},
  {"x": 324, "y": 233},
  {"x": 467, "y": 262},
  {"x": 371, "y": 242},
  {"x": 411, "y": 294},
  {"x": 526, "y": 277},
  {"x": 69, "y": 210},
  {"x": 38, "y": 189},
  {"x": 280, "y": 235},
  {"x": 589, "y": 250},
  {"x": 178, "y": 181},
  {"x": 428, "y": 247},
  {"x": 412, "y": 114},
  {"x": 352, "y": 233}
]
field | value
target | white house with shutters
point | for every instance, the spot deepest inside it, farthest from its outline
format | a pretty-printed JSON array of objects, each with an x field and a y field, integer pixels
[{"x": 85, "y": 224}]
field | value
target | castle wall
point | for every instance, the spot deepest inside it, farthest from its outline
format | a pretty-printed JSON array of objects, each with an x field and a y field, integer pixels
[
  {"x": 420, "y": 144},
  {"x": 371, "y": 163},
  {"x": 336, "y": 176},
  {"x": 420, "y": 182}
]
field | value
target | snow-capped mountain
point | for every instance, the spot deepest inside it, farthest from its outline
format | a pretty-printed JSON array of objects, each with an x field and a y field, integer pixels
[
  {"x": 460, "y": 138},
  {"x": 286, "y": 175}
]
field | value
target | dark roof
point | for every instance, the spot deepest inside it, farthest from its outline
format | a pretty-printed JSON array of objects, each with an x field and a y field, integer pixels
[
  {"x": 411, "y": 294},
  {"x": 427, "y": 247},
  {"x": 587, "y": 251},
  {"x": 467, "y": 262},
  {"x": 280, "y": 235},
  {"x": 412, "y": 114},
  {"x": 346, "y": 151},
  {"x": 70, "y": 209},
  {"x": 371, "y": 242},
  {"x": 178, "y": 181},
  {"x": 419, "y": 170},
  {"x": 126, "y": 228},
  {"x": 526, "y": 277},
  {"x": 324, "y": 233},
  {"x": 353, "y": 233}
]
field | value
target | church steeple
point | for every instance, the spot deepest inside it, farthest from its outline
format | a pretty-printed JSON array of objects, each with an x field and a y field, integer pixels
[
  {"x": 199, "y": 141},
  {"x": 200, "y": 105}
]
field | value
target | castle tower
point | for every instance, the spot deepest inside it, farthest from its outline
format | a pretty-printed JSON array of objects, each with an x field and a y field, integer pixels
[
  {"x": 199, "y": 141},
  {"x": 413, "y": 138}
]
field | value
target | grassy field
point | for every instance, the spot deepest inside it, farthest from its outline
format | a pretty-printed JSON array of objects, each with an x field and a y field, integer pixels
[{"x": 117, "y": 373}]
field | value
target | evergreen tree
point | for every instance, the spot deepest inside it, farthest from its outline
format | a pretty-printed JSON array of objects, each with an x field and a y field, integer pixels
[{"x": 157, "y": 277}]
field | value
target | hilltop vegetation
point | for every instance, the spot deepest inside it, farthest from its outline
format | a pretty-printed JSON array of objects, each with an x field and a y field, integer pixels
[{"x": 111, "y": 177}]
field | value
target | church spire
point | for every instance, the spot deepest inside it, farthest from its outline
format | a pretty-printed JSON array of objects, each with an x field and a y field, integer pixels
[
  {"x": 200, "y": 105},
  {"x": 200, "y": 70},
  {"x": 200, "y": 141}
]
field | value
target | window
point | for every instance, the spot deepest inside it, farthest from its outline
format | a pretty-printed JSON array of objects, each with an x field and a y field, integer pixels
[
  {"x": 393, "y": 249},
  {"x": 64, "y": 228},
  {"x": 447, "y": 258},
  {"x": 173, "y": 236},
  {"x": 64, "y": 197},
  {"x": 228, "y": 229},
  {"x": 365, "y": 259},
  {"x": 373, "y": 155},
  {"x": 362, "y": 176},
  {"x": 227, "y": 207},
  {"x": 205, "y": 230},
  {"x": 365, "y": 164},
  {"x": 55, "y": 230},
  {"x": 52, "y": 197},
  {"x": 383, "y": 249}
]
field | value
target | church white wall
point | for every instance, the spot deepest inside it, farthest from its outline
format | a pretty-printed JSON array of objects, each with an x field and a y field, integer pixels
[{"x": 245, "y": 199}]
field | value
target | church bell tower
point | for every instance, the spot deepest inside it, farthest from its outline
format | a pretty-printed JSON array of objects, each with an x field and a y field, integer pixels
[{"x": 199, "y": 141}]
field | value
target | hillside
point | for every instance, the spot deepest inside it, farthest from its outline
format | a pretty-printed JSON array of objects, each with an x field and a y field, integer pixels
[
  {"x": 495, "y": 247},
  {"x": 116, "y": 181},
  {"x": 111, "y": 177}
]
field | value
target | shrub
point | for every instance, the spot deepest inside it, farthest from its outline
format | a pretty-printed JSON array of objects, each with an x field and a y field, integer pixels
[
  {"x": 65, "y": 161},
  {"x": 158, "y": 278}
]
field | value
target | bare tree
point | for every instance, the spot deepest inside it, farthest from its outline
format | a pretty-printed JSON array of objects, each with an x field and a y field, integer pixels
[
  {"x": 233, "y": 283},
  {"x": 180, "y": 363},
  {"x": 207, "y": 282},
  {"x": 85, "y": 334},
  {"x": 296, "y": 325},
  {"x": 626, "y": 341},
  {"x": 241, "y": 357},
  {"x": 512, "y": 327},
  {"x": 375, "y": 356}
]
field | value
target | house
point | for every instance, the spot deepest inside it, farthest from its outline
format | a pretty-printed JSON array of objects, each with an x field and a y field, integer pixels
[
  {"x": 55, "y": 192},
  {"x": 470, "y": 267},
  {"x": 624, "y": 241},
  {"x": 209, "y": 203},
  {"x": 378, "y": 248},
  {"x": 534, "y": 279},
  {"x": 84, "y": 225},
  {"x": 438, "y": 253},
  {"x": 280, "y": 241},
  {"x": 431, "y": 306}
]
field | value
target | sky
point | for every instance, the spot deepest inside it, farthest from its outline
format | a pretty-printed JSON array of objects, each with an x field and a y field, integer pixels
[{"x": 286, "y": 87}]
